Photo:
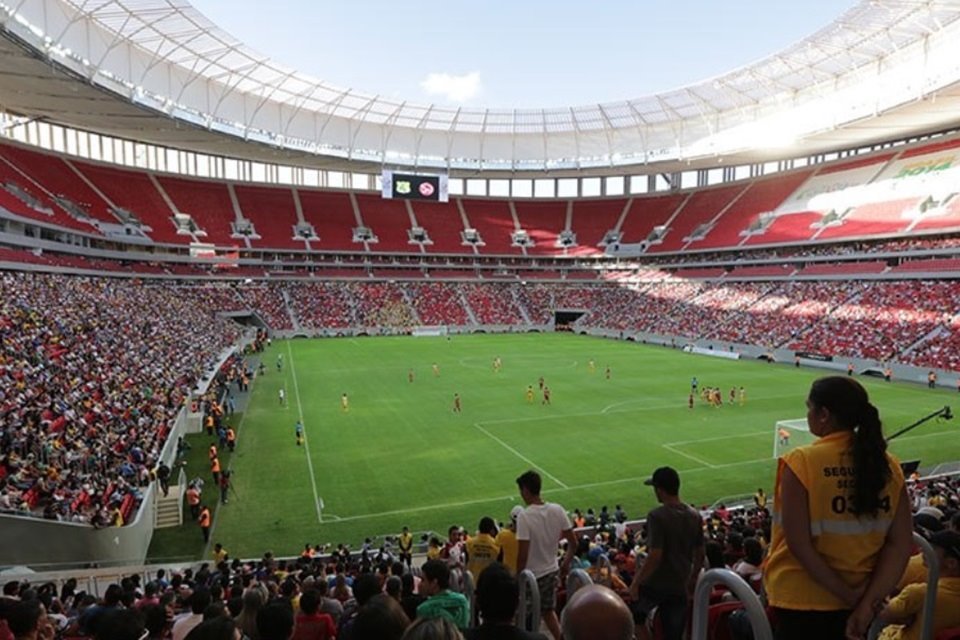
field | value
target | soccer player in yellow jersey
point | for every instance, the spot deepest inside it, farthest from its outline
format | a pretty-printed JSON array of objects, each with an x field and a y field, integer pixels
[
  {"x": 436, "y": 370},
  {"x": 344, "y": 402},
  {"x": 529, "y": 394},
  {"x": 743, "y": 396},
  {"x": 591, "y": 367}
]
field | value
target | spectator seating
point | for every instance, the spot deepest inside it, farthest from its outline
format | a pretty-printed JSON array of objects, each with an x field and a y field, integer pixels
[
  {"x": 389, "y": 221},
  {"x": 494, "y": 222},
  {"x": 333, "y": 219},
  {"x": 591, "y": 220},
  {"x": 100, "y": 428},
  {"x": 543, "y": 222},
  {"x": 273, "y": 213},
  {"x": 647, "y": 213},
  {"x": 136, "y": 193},
  {"x": 700, "y": 209},
  {"x": 207, "y": 203}
]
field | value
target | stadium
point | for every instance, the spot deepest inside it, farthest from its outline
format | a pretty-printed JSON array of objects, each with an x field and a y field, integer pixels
[{"x": 254, "y": 324}]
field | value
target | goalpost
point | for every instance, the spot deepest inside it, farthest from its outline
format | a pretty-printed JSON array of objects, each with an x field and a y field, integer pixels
[{"x": 790, "y": 434}]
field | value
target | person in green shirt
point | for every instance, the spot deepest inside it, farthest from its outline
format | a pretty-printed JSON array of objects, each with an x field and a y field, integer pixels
[{"x": 442, "y": 602}]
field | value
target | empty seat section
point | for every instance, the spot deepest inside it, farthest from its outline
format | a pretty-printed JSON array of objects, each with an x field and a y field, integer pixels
[
  {"x": 208, "y": 203},
  {"x": 763, "y": 270},
  {"x": 56, "y": 176},
  {"x": 873, "y": 219},
  {"x": 273, "y": 213},
  {"x": 875, "y": 266},
  {"x": 793, "y": 227},
  {"x": 703, "y": 272},
  {"x": 763, "y": 196},
  {"x": 885, "y": 205},
  {"x": 10, "y": 175},
  {"x": 647, "y": 213},
  {"x": 135, "y": 192},
  {"x": 543, "y": 222},
  {"x": 797, "y": 218},
  {"x": 389, "y": 221},
  {"x": 443, "y": 224},
  {"x": 591, "y": 221},
  {"x": 331, "y": 215},
  {"x": 936, "y": 265},
  {"x": 702, "y": 207},
  {"x": 946, "y": 218},
  {"x": 493, "y": 220}
]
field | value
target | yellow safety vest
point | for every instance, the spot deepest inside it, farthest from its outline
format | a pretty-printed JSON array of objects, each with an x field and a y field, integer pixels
[{"x": 849, "y": 544}]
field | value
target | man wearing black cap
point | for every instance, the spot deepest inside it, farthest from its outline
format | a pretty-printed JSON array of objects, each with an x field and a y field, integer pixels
[
  {"x": 675, "y": 550},
  {"x": 905, "y": 612}
]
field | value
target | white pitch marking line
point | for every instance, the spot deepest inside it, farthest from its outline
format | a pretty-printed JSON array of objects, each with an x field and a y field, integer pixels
[
  {"x": 687, "y": 455},
  {"x": 519, "y": 455},
  {"x": 449, "y": 505},
  {"x": 306, "y": 442},
  {"x": 731, "y": 437},
  {"x": 591, "y": 485}
]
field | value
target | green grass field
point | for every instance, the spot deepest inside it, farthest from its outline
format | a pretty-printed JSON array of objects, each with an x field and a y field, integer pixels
[{"x": 401, "y": 456}]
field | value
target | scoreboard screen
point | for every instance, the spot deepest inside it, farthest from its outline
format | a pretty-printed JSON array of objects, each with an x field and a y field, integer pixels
[{"x": 415, "y": 187}]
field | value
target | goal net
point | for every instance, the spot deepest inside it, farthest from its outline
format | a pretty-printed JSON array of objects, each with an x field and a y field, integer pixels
[{"x": 790, "y": 434}]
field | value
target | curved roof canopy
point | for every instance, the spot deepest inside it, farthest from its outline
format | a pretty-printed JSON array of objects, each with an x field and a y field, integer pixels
[{"x": 166, "y": 56}]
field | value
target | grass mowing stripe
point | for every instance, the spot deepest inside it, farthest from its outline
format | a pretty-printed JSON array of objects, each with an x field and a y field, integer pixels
[{"x": 306, "y": 441}]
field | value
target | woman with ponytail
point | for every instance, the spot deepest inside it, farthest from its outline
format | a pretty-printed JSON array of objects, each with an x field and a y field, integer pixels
[{"x": 842, "y": 529}]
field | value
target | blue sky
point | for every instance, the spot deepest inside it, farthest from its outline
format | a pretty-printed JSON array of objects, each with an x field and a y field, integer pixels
[{"x": 524, "y": 53}]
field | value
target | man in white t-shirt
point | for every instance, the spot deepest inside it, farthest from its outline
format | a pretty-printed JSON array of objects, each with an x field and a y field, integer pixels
[{"x": 540, "y": 528}]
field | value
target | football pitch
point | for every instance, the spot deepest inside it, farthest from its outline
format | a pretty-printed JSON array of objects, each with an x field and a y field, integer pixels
[{"x": 401, "y": 456}]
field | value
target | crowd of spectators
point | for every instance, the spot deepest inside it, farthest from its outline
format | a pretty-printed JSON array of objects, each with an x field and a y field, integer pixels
[
  {"x": 912, "y": 321},
  {"x": 371, "y": 593},
  {"x": 89, "y": 388},
  {"x": 437, "y": 303},
  {"x": 78, "y": 439}
]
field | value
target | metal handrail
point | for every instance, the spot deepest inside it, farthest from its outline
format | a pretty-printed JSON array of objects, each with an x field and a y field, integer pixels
[
  {"x": 469, "y": 590},
  {"x": 529, "y": 620},
  {"x": 577, "y": 579},
  {"x": 933, "y": 576},
  {"x": 930, "y": 600},
  {"x": 739, "y": 587}
]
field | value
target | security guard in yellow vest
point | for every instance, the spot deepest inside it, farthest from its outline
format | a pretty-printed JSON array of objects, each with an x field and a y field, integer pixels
[{"x": 842, "y": 528}]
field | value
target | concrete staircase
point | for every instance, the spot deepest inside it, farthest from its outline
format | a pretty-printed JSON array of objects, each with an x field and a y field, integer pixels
[
  {"x": 167, "y": 511},
  {"x": 289, "y": 309}
]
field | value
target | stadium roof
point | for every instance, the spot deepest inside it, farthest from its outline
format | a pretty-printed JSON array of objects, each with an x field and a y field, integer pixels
[{"x": 884, "y": 68}]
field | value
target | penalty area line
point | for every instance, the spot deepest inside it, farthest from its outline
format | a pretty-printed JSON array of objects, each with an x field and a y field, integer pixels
[
  {"x": 533, "y": 464},
  {"x": 687, "y": 455}
]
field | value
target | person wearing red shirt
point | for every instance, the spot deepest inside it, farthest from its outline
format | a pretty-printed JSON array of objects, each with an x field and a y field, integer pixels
[{"x": 309, "y": 623}]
